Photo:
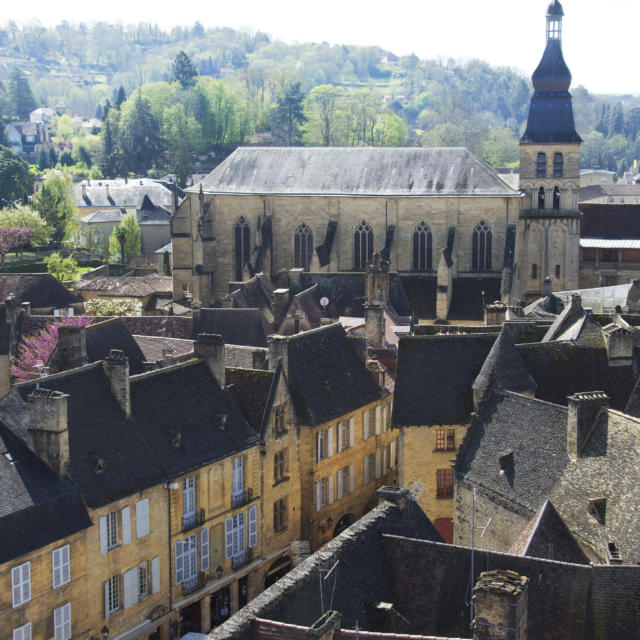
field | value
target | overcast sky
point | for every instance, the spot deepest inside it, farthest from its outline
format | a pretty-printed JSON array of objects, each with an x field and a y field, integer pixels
[{"x": 598, "y": 40}]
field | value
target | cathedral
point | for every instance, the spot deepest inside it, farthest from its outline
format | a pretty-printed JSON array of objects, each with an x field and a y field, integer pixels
[{"x": 440, "y": 216}]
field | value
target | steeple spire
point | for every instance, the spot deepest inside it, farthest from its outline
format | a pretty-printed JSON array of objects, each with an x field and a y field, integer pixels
[{"x": 554, "y": 21}]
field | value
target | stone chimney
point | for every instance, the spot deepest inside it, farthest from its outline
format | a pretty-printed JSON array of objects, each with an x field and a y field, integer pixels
[
  {"x": 633, "y": 297},
  {"x": 500, "y": 601},
  {"x": 26, "y": 308},
  {"x": 325, "y": 627},
  {"x": 47, "y": 430},
  {"x": 278, "y": 350},
  {"x": 210, "y": 347},
  {"x": 10, "y": 309},
  {"x": 280, "y": 305},
  {"x": 583, "y": 411},
  {"x": 84, "y": 190},
  {"x": 106, "y": 188},
  {"x": 396, "y": 495},
  {"x": 377, "y": 280},
  {"x": 116, "y": 368},
  {"x": 374, "y": 325},
  {"x": 359, "y": 345},
  {"x": 72, "y": 347},
  {"x": 546, "y": 287}
]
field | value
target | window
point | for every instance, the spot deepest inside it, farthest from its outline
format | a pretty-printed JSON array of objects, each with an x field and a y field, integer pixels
[
  {"x": 422, "y": 247},
  {"x": 362, "y": 245},
  {"x": 186, "y": 560},
  {"x": 343, "y": 482},
  {"x": 541, "y": 196},
  {"x": 541, "y": 165},
  {"x": 280, "y": 466},
  {"x": 62, "y": 622},
  {"x": 21, "y": 584},
  {"x": 554, "y": 28},
  {"x": 451, "y": 439},
  {"x": 112, "y": 595},
  {"x": 445, "y": 439},
  {"x": 556, "y": 198},
  {"x": 142, "y": 518},
  {"x": 280, "y": 514},
  {"x": 444, "y": 483},
  {"x": 367, "y": 468},
  {"x": 143, "y": 580},
  {"x": 321, "y": 449},
  {"x": 279, "y": 420},
  {"x": 558, "y": 165},
  {"x": 534, "y": 271},
  {"x": 343, "y": 436},
  {"x": 557, "y": 271},
  {"x": 237, "y": 480},
  {"x": 253, "y": 526},
  {"x": 60, "y": 566},
  {"x": 189, "y": 502},
  {"x": 23, "y": 632},
  {"x": 241, "y": 246},
  {"x": 392, "y": 454},
  {"x": 378, "y": 420},
  {"x": 321, "y": 493},
  {"x": 481, "y": 247},
  {"x": 385, "y": 417},
  {"x": 204, "y": 549},
  {"x": 112, "y": 530},
  {"x": 234, "y": 536},
  {"x": 367, "y": 430},
  {"x": 302, "y": 246}
]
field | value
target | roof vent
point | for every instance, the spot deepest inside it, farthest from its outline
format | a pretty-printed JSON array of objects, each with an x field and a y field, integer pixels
[
  {"x": 97, "y": 463},
  {"x": 222, "y": 422},
  {"x": 175, "y": 438},
  {"x": 598, "y": 509}
]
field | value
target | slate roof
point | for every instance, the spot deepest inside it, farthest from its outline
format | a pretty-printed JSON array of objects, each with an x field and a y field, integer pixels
[
  {"x": 570, "y": 315},
  {"x": 596, "y": 191},
  {"x": 434, "y": 378},
  {"x": 97, "y": 427},
  {"x": 252, "y": 390},
  {"x": 247, "y": 327},
  {"x": 610, "y": 221},
  {"x": 104, "y": 336},
  {"x": 152, "y": 214},
  {"x": 180, "y": 410},
  {"x": 41, "y": 290},
  {"x": 124, "y": 193},
  {"x": 255, "y": 293},
  {"x": 37, "y": 507},
  {"x": 326, "y": 377},
  {"x": 632, "y": 407},
  {"x": 105, "y": 215},
  {"x": 466, "y": 297},
  {"x": 153, "y": 348},
  {"x": 366, "y": 171},
  {"x": 130, "y": 287}
]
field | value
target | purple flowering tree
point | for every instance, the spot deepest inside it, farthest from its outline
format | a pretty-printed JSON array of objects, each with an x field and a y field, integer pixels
[{"x": 12, "y": 238}]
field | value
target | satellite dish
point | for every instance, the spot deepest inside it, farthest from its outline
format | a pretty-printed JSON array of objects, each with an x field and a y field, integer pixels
[{"x": 324, "y": 301}]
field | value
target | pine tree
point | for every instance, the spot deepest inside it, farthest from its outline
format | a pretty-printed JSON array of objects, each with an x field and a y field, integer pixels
[
  {"x": 140, "y": 139},
  {"x": 20, "y": 96},
  {"x": 288, "y": 116},
  {"x": 183, "y": 70},
  {"x": 119, "y": 97}
]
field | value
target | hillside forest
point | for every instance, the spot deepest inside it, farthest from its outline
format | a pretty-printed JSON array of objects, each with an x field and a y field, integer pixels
[{"x": 180, "y": 101}]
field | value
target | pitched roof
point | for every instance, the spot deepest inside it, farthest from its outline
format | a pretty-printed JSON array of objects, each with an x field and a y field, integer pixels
[
  {"x": 365, "y": 171},
  {"x": 617, "y": 190},
  {"x": 126, "y": 286},
  {"x": 105, "y": 215},
  {"x": 632, "y": 407},
  {"x": 37, "y": 507},
  {"x": 41, "y": 290},
  {"x": 326, "y": 377},
  {"x": 254, "y": 293},
  {"x": 434, "y": 378},
  {"x": 104, "y": 336},
  {"x": 252, "y": 390},
  {"x": 247, "y": 327},
  {"x": 568, "y": 317},
  {"x": 180, "y": 410},
  {"x": 122, "y": 192},
  {"x": 610, "y": 220},
  {"x": 156, "y": 348}
]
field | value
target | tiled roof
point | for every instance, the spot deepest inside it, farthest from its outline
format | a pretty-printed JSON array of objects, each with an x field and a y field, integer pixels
[
  {"x": 252, "y": 389},
  {"x": 41, "y": 290},
  {"x": 247, "y": 327},
  {"x": 155, "y": 348}
]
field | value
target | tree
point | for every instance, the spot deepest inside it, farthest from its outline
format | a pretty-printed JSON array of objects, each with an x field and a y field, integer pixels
[
  {"x": 20, "y": 96},
  {"x": 62, "y": 268},
  {"x": 183, "y": 70},
  {"x": 64, "y": 127},
  {"x": 55, "y": 202},
  {"x": 16, "y": 181},
  {"x": 140, "y": 140},
  {"x": 119, "y": 97},
  {"x": 12, "y": 238},
  {"x": 183, "y": 135},
  {"x": 113, "y": 307},
  {"x": 323, "y": 103},
  {"x": 126, "y": 240},
  {"x": 288, "y": 116},
  {"x": 26, "y": 216}
]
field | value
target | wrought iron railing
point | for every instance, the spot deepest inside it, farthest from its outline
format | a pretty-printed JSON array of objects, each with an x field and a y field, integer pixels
[
  {"x": 241, "y": 498},
  {"x": 193, "y": 520},
  {"x": 241, "y": 559}
]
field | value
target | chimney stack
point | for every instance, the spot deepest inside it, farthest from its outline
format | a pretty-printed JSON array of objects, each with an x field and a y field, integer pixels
[
  {"x": 280, "y": 305},
  {"x": 210, "y": 347},
  {"x": 546, "y": 287},
  {"x": 278, "y": 350},
  {"x": 583, "y": 411},
  {"x": 72, "y": 347},
  {"x": 359, "y": 345},
  {"x": 325, "y": 627},
  {"x": 116, "y": 367},
  {"x": 47, "y": 430},
  {"x": 374, "y": 325},
  {"x": 377, "y": 280}
]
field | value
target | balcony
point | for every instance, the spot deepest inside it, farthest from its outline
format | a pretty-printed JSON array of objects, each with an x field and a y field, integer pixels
[
  {"x": 611, "y": 266},
  {"x": 193, "y": 520},
  {"x": 241, "y": 498},
  {"x": 240, "y": 560},
  {"x": 191, "y": 585}
]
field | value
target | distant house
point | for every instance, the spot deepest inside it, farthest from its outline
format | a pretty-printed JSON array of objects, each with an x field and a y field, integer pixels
[
  {"x": 27, "y": 138},
  {"x": 42, "y": 114}
]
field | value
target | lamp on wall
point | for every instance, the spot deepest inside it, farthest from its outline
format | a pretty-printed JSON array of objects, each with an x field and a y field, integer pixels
[
  {"x": 105, "y": 632},
  {"x": 218, "y": 571},
  {"x": 329, "y": 520}
]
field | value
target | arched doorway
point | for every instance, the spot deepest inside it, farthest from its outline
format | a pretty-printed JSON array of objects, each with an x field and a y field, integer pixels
[
  {"x": 344, "y": 522},
  {"x": 278, "y": 568}
]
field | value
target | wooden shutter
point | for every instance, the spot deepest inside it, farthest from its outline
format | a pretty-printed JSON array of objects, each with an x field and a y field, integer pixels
[
  {"x": 204, "y": 549},
  {"x": 330, "y": 441},
  {"x": 142, "y": 518},
  {"x": 179, "y": 562},
  {"x": 253, "y": 526},
  {"x": 352, "y": 432},
  {"x": 330, "y": 499},
  {"x": 228, "y": 537},
  {"x": 56, "y": 564},
  {"x": 319, "y": 446},
  {"x": 126, "y": 525},
  {"x": 130, "y": 587},
  {"x": 155, "y": 575},
  {"x": 378, "y": 419},
  {"x": 103, "y": 534},
  {"x": 352, "y": 478},
  {"x": 106, "y": 600},
  {"x": 392, "y": 454},
  {"x": 378, "y": 464},
  {"x": 318, "y": 496},
  {"x": 340, "y": 428},
  {"x": 365, "y": 475},
  {"x": 384, "y": 461}
]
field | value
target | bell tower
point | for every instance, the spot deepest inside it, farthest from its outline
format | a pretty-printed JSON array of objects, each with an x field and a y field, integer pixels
[{"x": 549, "y": 225}]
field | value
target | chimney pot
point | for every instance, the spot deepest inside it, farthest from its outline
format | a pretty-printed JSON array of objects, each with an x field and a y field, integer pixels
[{"x": 583, "y": 409}]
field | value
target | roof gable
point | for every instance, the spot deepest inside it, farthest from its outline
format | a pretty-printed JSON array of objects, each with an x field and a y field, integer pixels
[{"x": 247, "y": 327}]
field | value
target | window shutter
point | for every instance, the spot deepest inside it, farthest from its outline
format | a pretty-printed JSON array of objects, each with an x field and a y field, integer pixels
[
  {"x": 155, "y": 574},
  {"x": 330, "y": 499},
  {"x": 319, "y": 446},
  {"x": 365, "y": 475},
  {"x": 378, "y": 464},
  {"x": 16, "y": 586},
  {"x": 126, "y": 525},
  {"x": 66, "y": 564},
  {"x": 21, "y": 583},
  {"x": 352, "y": 478},
  {"x": 142, "y": 518},
  {"x": 340, "y": 483},
  {"x": 228, "y": 537},
  {"x": 56, "y": 563},
  {"x": 57, "y": 624},
  {"x": 340, "y": 436},
  {"x": 378, "y": 419},
  {"x": 23, "y": 632},
  {"x": 384, "y": 461},
  {"x": 66, "y": 615},
  {"x": 385, "y": 417},
  {"x": 103, "y": 534},
  {"x": 204, "y": 549},
  {"x": 352, "y": 432},
  {"x": 318, "y": 496},
  {"x": 241, "y": 531},
  {"x": 330, "y": 443},
  {"x": 106, "y": 600},
  {"x": 179, "y": 562},
  {"x": 253, "y": 526},
  {"x": 392, "y": 455},
  {"x": 130, "y": 587}
]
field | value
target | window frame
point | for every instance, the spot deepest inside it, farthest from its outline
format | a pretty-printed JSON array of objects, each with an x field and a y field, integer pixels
[
  {"x": 279, "y": 419},
  {"x": 280, "y": 465},
  {"x": 280, "y": 515},
  {"x": 143, "y": 580},
  {"x": 302, "y": 246},
  {"x": 482, "y": 247},
  {"x": 62, "y": 565},
  {"x": 422, "y": 247},
  {"x": 541, "y": 165},
  {"x": 113, "y": 526},
  {"x": 62, "y": 629},
  {"x": 22, "y": 586},
  {"x": 363, "y": 239},
  {"x": 241, "y": 246},
  {"x": 558, "y": 165},
  {"x": 444, "y": 483},
  {"x": 23, "y": 632},
  {"x": 113, "y": 600}
]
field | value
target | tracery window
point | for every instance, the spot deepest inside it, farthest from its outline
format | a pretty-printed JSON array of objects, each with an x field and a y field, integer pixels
[
  {"x": 481, "y": 247},
  {"x": 241, "y": 246},
  {"x": 302, "y": 246},
  {"x": 362, "y": 245},
  {"x": 422, "y": 247}
]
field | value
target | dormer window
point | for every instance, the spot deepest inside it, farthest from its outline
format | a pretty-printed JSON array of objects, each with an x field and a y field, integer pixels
[
  {"x": 175, "y": 437},
  {"x": 598, "y": 509},
  {"x": 97, "y": 463}
]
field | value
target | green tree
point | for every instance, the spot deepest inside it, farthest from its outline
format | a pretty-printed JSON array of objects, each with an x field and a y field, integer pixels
[
  {"x": 182, "y": 134},
  {"x": 183, "y": 70},
  {"x": 16, "y": 181},
  {"x": 119, "y": 97},
  {"x": 501, "y": 148},
  {"x": 64, "y": 127},
  {"x": 20, "y": 96},
  {"x": 322, "y": 107},
  {"x": 288, "y": 116},
  {"x": 55, "y": 202},
  {"x": 126, "y": 241},
  {"x": 113, "y": 307},
  {"x": 140, "y": 140},
  {"x": 62, "y": 268},
  {"x": 43, "y": 159},
  {"x": 26, "y": 216},
  {"x": 112, "y": 160}
]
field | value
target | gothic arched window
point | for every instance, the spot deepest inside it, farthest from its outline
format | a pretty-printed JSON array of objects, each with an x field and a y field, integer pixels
[
  {"x": 557, "y": 271},
  {"x": 362, "y": 245},
  {"x": 541, "y": 165},
  {"x": 241, "y": 246},
  {"x": 302, "y": 246},
  {"x": 534, "y": 271},
  {"x": 481, "y": 247},
  {"x": 541, "y": 198},
  {"x": 558, "y": 165},
  {"x": 422, "y": 247},
  {"x": 556, "y": 198}
]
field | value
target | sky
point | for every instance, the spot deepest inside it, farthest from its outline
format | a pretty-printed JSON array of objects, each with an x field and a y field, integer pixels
[{"x": 597, "y": 40}]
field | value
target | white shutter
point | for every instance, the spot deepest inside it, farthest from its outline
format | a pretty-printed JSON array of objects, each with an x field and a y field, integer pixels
[
  {"x": 66, "y": 564},
  {"x": 330, "y": 443},
  {"x": 385, "y": 417},
  {"x": 58, "y": 624},
  {"x": 340, "y": 436},
  {"x": 352, "y": 432},
  {"x": 106, "y": 600},
  {"x": 23, "y": 632},
  {"x": 384, "y": 461},
  {"x": 378, "y": 464},
  {"x": 130, "y": 587},
  {"x": 56, "y": 566},
  {"x": 352, "y": 478},
  {"x": 228, "y": 537},
  {"x": 392, "y": 454},
  {"x": 339, "y": 483},
  {"x": 16, "y": 586},
  {"x": 330, "y": 499},
  {"x": 240, "y": 531},
  {"x": 365, "y": 473},
  {"x": 204, "y": 549},
  {"x": 378, "y": 419},
  {"x": 66, "y": 621},
  {"x": 318, "y": 496},
  {"x": 103, "y": 534},
  {"x": 253, "y": 526},
  {"x": 126, "y": 525},
  {"x": 179, "y": 562},
  {"x": 142, "y": 518},
  {"x": 155, "y": 574},
  {"x": 318, "y": 446}
]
